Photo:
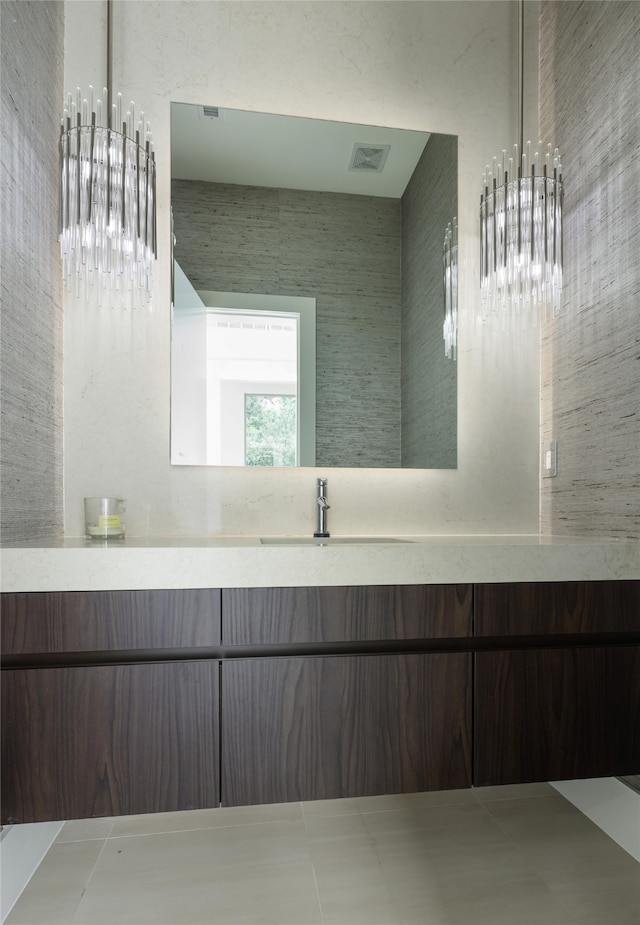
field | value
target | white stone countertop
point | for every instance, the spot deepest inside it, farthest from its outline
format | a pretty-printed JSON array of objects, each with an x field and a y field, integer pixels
[{"x": 136, "y": 563}]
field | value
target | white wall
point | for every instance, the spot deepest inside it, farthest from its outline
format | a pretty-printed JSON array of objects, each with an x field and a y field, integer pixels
[{"x": 445, "y": 67}]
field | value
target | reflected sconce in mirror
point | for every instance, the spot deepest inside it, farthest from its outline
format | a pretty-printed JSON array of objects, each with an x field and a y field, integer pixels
[
  {"x": 450, "y": 265},
  {"x": 107, "y": 197},
  {"x": 521, "y": 229}
]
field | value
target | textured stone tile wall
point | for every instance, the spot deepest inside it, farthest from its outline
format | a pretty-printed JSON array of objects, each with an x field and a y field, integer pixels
[
  {"x": 342, "y": 250},
  {"x": 590, "y": 372},
  {"x": 429, "y": 393},
  {"x": 31, "y": 490}
]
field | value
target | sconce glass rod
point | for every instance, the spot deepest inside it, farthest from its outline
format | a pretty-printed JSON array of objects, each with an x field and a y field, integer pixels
[
  {"x": 450, "y": 262},
  {"x": 107, "y": 207}
]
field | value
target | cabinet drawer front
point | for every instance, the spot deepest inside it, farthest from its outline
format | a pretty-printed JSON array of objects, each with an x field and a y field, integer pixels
[
  {"x": 109, "y": 740},
  {"x": 537, "y": 608},
  {"x": 85, "y": 621},
  {"x": 345, "y": 614},
  {"x": 330, "y": 727},
  {"x": 556, "y": 714}
]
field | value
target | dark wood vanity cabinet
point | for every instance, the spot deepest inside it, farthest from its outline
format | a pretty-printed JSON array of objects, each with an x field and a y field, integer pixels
[
  {"x": 556, "y": 714},
  {"x": 355, "y": 703},
  {"x": 108, "y": 705},
  {"x": 37, "y": 624},
  {"x": 317, "y": 728},
  {"x": 557, "y": 681},
  {"x": 269, "y": 616},
  {"x": 125, "y": 702},
  {"x": 595, "y": 609},
  {"x": 109, "y": 740},
  {"x": 149, "y": 701}
]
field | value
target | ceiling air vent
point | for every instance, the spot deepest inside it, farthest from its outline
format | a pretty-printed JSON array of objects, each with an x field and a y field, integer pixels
[
  {"x": 211, "y": 112},
  {"x": 369, "y": 158}
]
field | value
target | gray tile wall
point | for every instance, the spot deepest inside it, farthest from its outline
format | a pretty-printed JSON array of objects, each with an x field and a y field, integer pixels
[
  {"x": 429, "y": 395},
  {"x": 590, "y": 372},
  {"x": 342, "y": 250},
  {"x": 32, "y": 40}
]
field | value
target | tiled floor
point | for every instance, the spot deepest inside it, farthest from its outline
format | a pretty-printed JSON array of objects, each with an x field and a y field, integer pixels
[{"x": 496, "y": 856}]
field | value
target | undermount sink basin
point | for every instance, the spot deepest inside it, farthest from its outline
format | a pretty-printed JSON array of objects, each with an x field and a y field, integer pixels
[{"x": 329, "y": 540}]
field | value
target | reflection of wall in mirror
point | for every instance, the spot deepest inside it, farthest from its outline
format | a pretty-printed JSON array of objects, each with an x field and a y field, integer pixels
[
  {"x": 344, "y": 250},
  {"x": 188, "y": 375},
  {"x": 429, "y": 394}
]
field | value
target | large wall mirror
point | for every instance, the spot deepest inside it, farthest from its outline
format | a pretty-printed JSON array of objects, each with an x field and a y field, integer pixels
[{"x": 308, "y": 306}]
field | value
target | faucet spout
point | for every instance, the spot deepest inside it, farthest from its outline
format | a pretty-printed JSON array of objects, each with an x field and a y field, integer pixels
[{"x": 323, "y": 507}]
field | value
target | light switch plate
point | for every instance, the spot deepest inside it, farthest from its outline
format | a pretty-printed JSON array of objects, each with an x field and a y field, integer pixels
[{"x": 550, "y": 460}]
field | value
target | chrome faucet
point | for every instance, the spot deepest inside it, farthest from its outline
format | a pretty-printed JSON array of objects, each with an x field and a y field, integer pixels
[{"x": 323, "y": 507}]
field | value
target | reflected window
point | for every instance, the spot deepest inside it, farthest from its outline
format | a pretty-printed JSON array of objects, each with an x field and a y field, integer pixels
[
  {"x": 243, "y": 367},
  {"x": 270, "y": 430},
  {"x": 252, "y": 360}
]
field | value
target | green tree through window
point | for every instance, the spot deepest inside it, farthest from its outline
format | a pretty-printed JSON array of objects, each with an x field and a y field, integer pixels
[{"x": 270, "y": 430}]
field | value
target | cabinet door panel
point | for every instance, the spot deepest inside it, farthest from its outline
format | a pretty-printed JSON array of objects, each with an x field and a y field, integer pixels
[
  {"x": 535, "y": 608},
  {"x": 253, "y": 616},
  {"x": 86, "y": 621},
  {"x": 320, "y": 728},
  {"x": 556, "y": 714},
  {"x": 110, "y": 740}
]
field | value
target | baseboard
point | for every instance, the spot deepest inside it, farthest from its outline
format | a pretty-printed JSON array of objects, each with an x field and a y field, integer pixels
[
  {"x": 614, "y": 807},
  {"x": 22, "y": 848}
]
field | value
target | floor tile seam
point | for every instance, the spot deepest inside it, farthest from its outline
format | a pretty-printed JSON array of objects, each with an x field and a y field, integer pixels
[
  {"x": 315, "y": 818},
  {"x": 86, "y": 884},
  {"x": 381, "y": 812},
  {"x": 76, "y": 841},
  {"x": 437, "y": 807},
  {"x": 413, "y": 908},
  {"x": 311, "y": 836},
  {"x": 530, "y": 862},
  {"x": 559, "y": 899},
  {"x": 517, "y": 847},
  {"x": 578, "y": 883},
  {"x": 537, "y": 835},
  {"x": 384, "y": 876},
  {"x": 72, "y": 841},
  {"x": 205, "y": 828},
  {"x": 495, "y": 819},
  {"x": 511, "y": 799},
  {"x": 317, "y": 889}
]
